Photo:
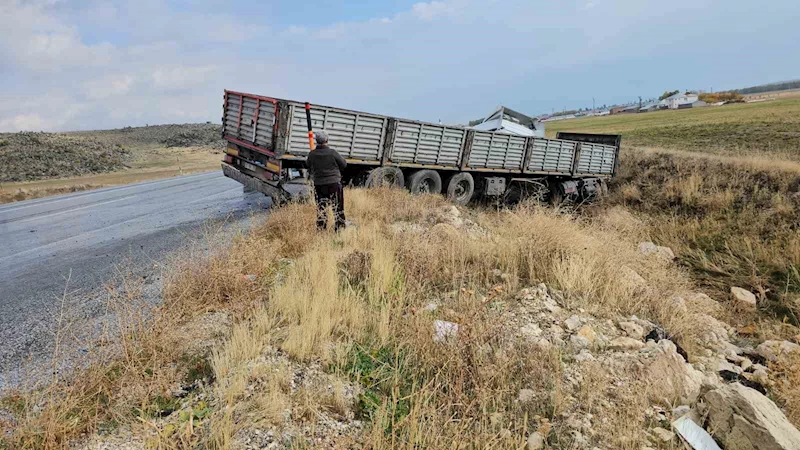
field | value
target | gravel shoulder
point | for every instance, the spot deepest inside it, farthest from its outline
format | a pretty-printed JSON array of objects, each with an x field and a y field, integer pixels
[{"x": 64, "y": 257}]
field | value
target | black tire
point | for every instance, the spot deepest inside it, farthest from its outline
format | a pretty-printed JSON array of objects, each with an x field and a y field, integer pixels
[
  {"x": 385, "y": 176},
  {"x": 460, "y": 188},
  {"x": 425, "y": 182}
]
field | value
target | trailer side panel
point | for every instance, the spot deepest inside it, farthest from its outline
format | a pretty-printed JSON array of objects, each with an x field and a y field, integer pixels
[
  {"x": 551, "y": 155},
  {"x": 496, "y": 151},
  {"x": 421, "y": 143},
  {"x": 354, "y": 135}
]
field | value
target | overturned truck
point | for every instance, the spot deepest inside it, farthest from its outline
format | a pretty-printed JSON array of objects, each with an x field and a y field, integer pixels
[{"x": 268, "y": 137}]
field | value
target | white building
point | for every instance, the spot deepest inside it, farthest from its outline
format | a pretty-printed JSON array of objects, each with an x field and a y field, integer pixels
[{"x": 675, "y": 101}]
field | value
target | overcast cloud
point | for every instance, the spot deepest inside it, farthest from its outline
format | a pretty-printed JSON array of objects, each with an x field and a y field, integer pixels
[{"x": 86, "y": 64}]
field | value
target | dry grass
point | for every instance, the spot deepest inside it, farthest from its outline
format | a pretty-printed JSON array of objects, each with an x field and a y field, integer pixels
[
  {"x": 352, "y": 303},
  {"x": 732, "y": 221}
]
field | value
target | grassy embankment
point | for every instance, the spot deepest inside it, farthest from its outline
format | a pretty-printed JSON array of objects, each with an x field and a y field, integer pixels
[
  {"x": 354, "y": 305},
  {"x": 721, "y": 186}
]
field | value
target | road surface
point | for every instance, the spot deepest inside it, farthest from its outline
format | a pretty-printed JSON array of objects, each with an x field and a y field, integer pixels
[{"x": 85, "y": 238}]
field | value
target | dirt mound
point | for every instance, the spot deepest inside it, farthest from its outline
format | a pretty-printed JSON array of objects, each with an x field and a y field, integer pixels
[
  {"x": 174, "y": 135},
  {"x": 34, "y": 156}
]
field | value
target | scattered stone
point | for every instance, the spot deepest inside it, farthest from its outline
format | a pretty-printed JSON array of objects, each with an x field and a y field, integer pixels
[
  {"x": 757, "y": 367},
  {"x": 531, "y": 330},
  {"x": 249, "y": 277},
  {"x": 632, "y": 330},
  {"x": 743, "y": 297},
  {"x": 431, "y": 307},
  {"x": 681, "y": 411},
  {"x": 535, "y": 441},
  {"x": 623, "y": 343},
  {"x": 746, "y": 364},
  {"x": 742, "y": 418},
  {"x": 672, "y": 378},
  {"x": 573, "y": 323},
  {"x": 443, "y": 232},
  {"x": 748, "y": 330},
  {"x": 776, "y": 351},
  {"x": 444, "y": 331},
  {"x": 588, "y": 333},
  {"x": 526, "y": 395},
  {"x": 584, "y": 356},
  {"x": 579, "y": 342},
  {"x": 664, "y": 253},
  {"x": 760, "y": 376},
  {"x": 662, "y": 434}
]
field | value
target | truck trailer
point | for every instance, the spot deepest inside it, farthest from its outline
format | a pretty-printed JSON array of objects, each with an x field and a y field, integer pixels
[{"x": 267, "y": 140}]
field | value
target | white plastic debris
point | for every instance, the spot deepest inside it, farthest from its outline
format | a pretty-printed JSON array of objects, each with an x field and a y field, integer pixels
[
  {"x": 694, "y": 435},
  {"x": 443, "y": 330}
]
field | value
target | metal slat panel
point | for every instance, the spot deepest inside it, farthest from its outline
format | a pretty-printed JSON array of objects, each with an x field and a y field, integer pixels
[
  {"x": 596, "y": 159},
  {"x": 497, "y": 151},
  {"x": 353, "y": 135},
  {"x": 551, "y": 155},
  {"x": 421, "y": 143}
]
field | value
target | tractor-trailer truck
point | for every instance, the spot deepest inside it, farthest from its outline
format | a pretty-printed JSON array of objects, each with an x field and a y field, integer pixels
[{"x": 268, "y": 139}]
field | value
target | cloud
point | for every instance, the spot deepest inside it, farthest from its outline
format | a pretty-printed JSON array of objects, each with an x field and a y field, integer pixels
[
  {"x": 94, "y": 64},
  {"x": 432, "y": 10}
]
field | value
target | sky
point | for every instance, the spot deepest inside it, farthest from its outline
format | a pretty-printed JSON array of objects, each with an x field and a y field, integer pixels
[{"x": 92, "y": 64}]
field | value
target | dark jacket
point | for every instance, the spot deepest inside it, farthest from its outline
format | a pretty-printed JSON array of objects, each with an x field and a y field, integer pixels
[{"x": 325, "y": 165}]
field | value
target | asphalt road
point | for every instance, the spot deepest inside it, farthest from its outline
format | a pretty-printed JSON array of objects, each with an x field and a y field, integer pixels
[{"x": 75, "y": 243}]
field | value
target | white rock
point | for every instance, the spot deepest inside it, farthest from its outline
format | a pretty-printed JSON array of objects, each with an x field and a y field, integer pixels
[
  {"x": 535, "y": 441},
  {"x": 663, "y": 435},
  {"x": 573, "y": 323},
  {"x": 431, "y": 307},
  {"x": 551, "y": 305},
  {"x": 746, "y": 364},
  {"x": 584, "y": 356},
  {"x": 526, "y": 395},
  {"x": 776, "y": 351},
  {"x": 444, "y": 330},
  {"x": 743, "y": 297},
  {"x": 649, "y": 248},
  {"x": 623, "y": 343},
  {"x": 742, "y": 418},
  {"x": 671, "y": 378},
  {"x": 681, "y": 411},
  {"x": 632, "y": 330},
  {"x": 531, "y": 330},
  {"x": 761, "y": 376},
  {"x": 579, "y": 342}
]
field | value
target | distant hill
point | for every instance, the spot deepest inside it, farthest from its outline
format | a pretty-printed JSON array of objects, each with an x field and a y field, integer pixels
[{"x": 771, "y": 87}]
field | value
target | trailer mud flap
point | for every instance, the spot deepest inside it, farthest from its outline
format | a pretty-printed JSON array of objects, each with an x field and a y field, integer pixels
[{"x": 277, "y": 193}]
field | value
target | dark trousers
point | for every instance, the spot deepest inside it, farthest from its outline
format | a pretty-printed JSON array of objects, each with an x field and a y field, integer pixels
[{"x": 333, "y": 195}]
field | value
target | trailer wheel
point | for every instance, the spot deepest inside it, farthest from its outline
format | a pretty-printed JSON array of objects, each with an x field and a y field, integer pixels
[
  {"x": 460, "y": 188},
  {"x": 385, "y": 176},
  {"x": 425, "y": 181}
]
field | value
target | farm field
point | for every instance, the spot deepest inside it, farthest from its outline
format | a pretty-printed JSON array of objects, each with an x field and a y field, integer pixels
[{"x": 744, "y": 129}]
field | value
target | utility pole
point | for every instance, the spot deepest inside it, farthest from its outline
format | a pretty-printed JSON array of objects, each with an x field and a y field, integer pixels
[
  {"x": 640, "y": 102},
  {"x": 593, "y": 108}
]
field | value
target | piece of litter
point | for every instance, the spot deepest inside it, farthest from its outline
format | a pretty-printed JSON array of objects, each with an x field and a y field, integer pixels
[
  {"x": 249, "y": 277},
  {"x": 444, "y": 330},
  {"x": 694, "y": 435}
]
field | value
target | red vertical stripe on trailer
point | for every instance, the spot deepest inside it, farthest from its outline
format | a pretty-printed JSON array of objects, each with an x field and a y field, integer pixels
[
  {"x": 255, "y": 123},
  {"x": 239, "y": 122}
]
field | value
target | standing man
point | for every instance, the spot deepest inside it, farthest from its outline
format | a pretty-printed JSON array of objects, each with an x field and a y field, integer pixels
[{"x": 326, "y": 166}]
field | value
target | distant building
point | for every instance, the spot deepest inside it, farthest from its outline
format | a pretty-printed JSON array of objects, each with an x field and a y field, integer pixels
[{"x": 676, "y": 101}]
